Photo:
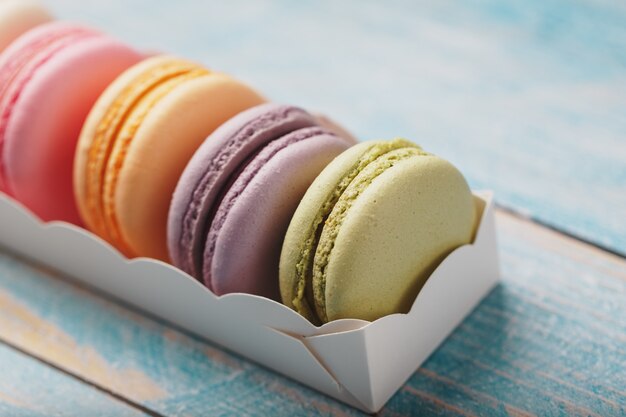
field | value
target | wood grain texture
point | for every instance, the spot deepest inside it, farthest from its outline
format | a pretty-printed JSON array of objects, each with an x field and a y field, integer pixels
[
  {"x": 29, "y": 388},
  {"x": 527, "y": 97},
  {"x": 135, "y": 357},
  {"x": 548, "y": 341}
]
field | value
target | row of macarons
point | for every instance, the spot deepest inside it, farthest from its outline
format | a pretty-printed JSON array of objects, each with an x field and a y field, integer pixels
[{"x": 166, "y": 159}]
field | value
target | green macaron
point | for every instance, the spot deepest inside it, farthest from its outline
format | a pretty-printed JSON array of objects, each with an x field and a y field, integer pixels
[{"x": 370, "y": 230}]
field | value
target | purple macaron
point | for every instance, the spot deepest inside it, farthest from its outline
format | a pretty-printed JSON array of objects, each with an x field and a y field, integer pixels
[{"x": 235, "y": 199}]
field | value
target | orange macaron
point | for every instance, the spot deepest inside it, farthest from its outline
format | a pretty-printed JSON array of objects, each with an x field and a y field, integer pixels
[{"x": 136, "y": 142}]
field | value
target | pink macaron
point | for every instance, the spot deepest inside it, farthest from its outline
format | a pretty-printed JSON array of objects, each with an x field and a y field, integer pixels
[{"x": 50, "y": 77}]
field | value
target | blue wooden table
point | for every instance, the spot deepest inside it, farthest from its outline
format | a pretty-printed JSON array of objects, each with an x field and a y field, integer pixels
[{"x": 527, "y": 97}]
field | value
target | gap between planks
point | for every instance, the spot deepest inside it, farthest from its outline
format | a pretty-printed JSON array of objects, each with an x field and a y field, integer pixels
[
  {"x": 534, "y": 230},
  {"x": 502, "y": 210},
  {"x": 82, "y": 379}
]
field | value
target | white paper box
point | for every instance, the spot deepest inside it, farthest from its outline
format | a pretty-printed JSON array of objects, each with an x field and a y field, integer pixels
[{"x": 357, "y": 362}]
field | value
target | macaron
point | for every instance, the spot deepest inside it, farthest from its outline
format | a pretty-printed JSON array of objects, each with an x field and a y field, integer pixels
[
  {"x": 335, "y": 127},
  {"x": 50, "y": 77},
  {"x": 136, "y": 142},
  {"x": 370, "y": 230},
  {"x": 17, "y": 17},
  {"x": 235, "y": 199}
]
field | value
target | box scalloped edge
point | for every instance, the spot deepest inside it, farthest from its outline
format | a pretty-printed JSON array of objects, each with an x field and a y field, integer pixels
[{"x": 360, "y": 363}]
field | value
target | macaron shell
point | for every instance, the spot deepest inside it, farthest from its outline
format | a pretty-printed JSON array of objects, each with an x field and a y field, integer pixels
[
  {"x": 322, "y": 187},
  {"x": 38, "y": 157},
  {"x": 17, "y": 17},
  {"x": 20, "y": 61},
  {"x": 396, "y": 232},
  {"x": 335, "y": 127},
  {"x": 248, "y": 247},
  {"x": 162, "y": 146},
  {"x": 92, "y": 123},
  {"x": 212, "y": 167}
]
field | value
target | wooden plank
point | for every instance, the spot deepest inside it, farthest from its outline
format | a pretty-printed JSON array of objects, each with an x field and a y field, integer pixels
[
  {"x": 528, "y": 97},
  {"x": 548, "y": 341},
  {"x": 529, "y": 101},
  {"x": 135, "y": 357},
  {"x": 30, "y": 388}
]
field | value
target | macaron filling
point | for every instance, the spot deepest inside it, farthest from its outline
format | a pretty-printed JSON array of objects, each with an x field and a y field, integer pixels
[
  {"x": 208, "y": 192},
  {"x": 115, "y": 134},
  {"x": 310, "y": 285},
  {"x": 19, "y": 70},
  {"x": 250, "y": 168},
  {"x": 333, "y": 222}
]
